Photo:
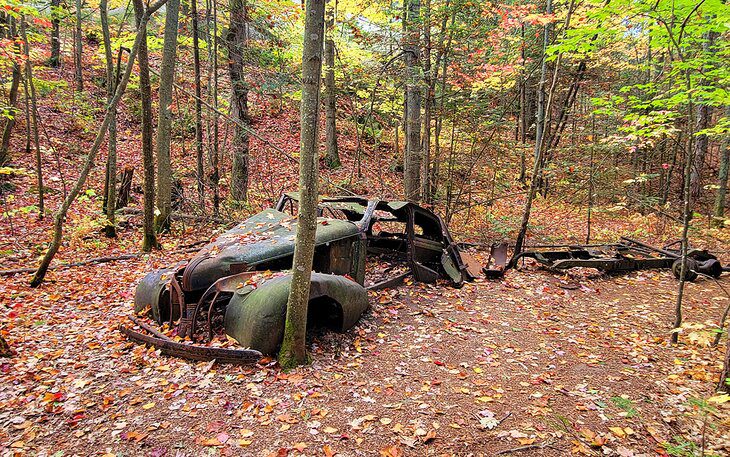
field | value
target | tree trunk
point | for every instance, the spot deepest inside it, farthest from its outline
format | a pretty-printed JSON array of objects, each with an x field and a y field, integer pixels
[
  {"x": 164, "y": 118},
  {"x": 724, "y": 384},
  {"x": 110, "y": 180},
  {"x": 722, "y": 180},
  {"x": 237, "y": 40},
  {"x": 200, "y": 173},
  {"x": 540, "y": 122},
  {"x": 411, "y": 52},
  {"x": 293, "y": 351},
  {"x": 12, "y": 99},
  {"x": 704, "y": 114},
  {"x": 78, "y": 63},
  {"x": 426, "y": 184},
  {"x": 215, "y": 153},
  {"x": 330, "y": 104},
  {"x": 522, "y": 117},
  {"x": 149, "y": 238},
  {"x": 686, "y": 214},
  {"x": 55, "y": 59},
  {"x": 30, "y": 85},
  {"x": 60, "y": 216}
]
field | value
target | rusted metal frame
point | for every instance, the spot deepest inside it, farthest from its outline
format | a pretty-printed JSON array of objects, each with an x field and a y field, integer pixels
[
  {"x": 671, "y": 254},
  {"x": 225, "y": 284},
  {"x": 194, "y": 352}
]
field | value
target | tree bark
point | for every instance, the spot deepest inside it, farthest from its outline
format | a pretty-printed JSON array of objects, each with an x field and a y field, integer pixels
[
  {"x": 330, "y": 104},
  {"x": 426, "y": 143},
  {"x": 237, "y": 40},
  {"x": 60, "y": 216},
  {"x": 164, "y": 118},
  {"x": 704, "y": 114},
  {"x": 198, "y": 106},
  {"x": 149, "y": 238},
  {"x": 12, "y": 99},
  {"x": 110, "y": 180},
  {"x": 78, "y": 63},
  {"x": 55, "y": 59},
  {"x": 686, "y": 215},
  {"x": 724, "y": 384},
  {"x": 30, "y": 85},
  {"x": 411, "y": 52},
  {"x": 293, "y": 351},
  {"x": 722, "y": 181}
]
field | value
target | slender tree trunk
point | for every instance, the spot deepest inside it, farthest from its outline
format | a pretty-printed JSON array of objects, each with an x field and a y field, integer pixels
[
  {"x": 164, "y": 118},
  {"x": 426, "y": 143},
  {"x": 215, "y": 172},
  {"x": 237, "y": 40},
  {"x": 198, "y": 105},
  {"x": 704, "y": 114},
  {"x": 724, "y": 384},
  {"x": 55, "y": 59},
  {"x": 34, "y": 118},
  {"x": 442, "y": 59},
  {"x": 330, "y": 103},
  {"x": 722, "y": 181},
  {"x": 60, "y": 216},
  {"x": 541, "y": 95},
  {"x": 411, "y": 51},
  {"x": 522, "y": 121},
  {"x": 78, "y": 63},
  {"x": 12, "y": 99},
  {"x": 686, "y": 213},
  {"x": 110, "y": 181},
  {"x": 293, "y": 351},
  {"x": 149, "y": 238}
]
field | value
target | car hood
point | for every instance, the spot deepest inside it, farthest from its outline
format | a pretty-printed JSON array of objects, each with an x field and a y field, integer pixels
[{"x": 266, "y": 236}]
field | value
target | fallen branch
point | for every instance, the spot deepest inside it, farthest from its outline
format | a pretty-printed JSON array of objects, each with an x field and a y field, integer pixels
[
  {"x": 179, "y": 216},
  {"x": 94, "y": 260}
]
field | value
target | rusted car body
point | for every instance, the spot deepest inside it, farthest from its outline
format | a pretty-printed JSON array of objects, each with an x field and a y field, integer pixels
[{"x": 223, "y": 285}]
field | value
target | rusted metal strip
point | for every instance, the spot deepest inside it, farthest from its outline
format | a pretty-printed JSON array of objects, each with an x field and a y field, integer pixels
[
  {"x": 151, "y": 330},
  {"x": 194, "y": 352},
  {"x": 392, "y": 282}
]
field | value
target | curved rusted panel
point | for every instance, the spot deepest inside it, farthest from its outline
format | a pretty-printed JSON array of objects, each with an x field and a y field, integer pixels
[
  {"x": 256, "y": 318},
  {"x": 153, "y": 291}
]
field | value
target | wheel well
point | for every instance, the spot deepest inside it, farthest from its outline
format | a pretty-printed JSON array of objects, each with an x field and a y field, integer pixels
[{"x": 324, "y": 312}]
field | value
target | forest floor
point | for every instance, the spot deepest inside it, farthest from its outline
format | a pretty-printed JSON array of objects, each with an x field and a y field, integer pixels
[
  {"x": 560, "y": 364},
  {"x": 532, "y": 364}
]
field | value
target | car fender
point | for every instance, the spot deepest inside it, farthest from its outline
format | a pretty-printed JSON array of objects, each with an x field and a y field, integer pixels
[
  {"x": 153, "y": 292},
  {"x": 255, "y": 318}
]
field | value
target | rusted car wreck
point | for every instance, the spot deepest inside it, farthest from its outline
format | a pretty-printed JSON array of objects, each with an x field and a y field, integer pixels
[
  {"x": 625, "y": 255},
  {"x": 223, "y": 287}
]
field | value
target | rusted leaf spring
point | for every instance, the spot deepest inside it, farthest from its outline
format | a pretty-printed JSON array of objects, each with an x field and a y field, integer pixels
[{"x": 194, "y": 352}]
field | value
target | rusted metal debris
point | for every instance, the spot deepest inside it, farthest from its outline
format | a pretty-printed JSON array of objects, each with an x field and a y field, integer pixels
[
  {"x": 626, "y": 255},
  {"x": 497, "y": 263},
  {"x": 190, "y": 351}
]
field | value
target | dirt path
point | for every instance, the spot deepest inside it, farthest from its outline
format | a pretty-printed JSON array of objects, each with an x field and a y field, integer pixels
[{"x": 551, "y": 364}]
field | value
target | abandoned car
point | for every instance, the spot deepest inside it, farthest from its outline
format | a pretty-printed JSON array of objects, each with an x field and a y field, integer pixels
[{"x": 223, "y": 286}]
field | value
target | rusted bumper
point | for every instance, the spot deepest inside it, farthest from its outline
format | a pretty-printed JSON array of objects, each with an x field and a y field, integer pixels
[{"x": 192, "y": 351}]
